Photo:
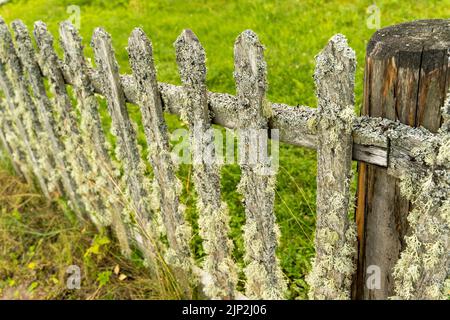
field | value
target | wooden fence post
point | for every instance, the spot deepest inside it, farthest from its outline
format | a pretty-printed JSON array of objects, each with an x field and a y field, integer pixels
[{"x": 406, "y": 79}]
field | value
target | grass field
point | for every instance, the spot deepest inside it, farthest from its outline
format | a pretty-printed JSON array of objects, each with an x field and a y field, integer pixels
[{"x": 293, "y": 32}]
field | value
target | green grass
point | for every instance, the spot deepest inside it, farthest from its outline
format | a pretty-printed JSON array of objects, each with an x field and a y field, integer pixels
[
  {"x": 39, "y": 240},
  {"x": 293, "y": 32}
]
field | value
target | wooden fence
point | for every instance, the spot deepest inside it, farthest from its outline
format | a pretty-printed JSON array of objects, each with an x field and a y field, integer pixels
[{"x": 68, "y": 152}]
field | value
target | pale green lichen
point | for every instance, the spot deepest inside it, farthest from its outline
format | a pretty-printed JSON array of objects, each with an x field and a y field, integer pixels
[
  {"x": 33, "y": 77},
  {"x": 90, "y": 184},
  {"x": 335, "y": 239},
  {"x": 257, "y": 185},
  {"x": 424, "y": 265},
  {"x": 25, "y": 119}
]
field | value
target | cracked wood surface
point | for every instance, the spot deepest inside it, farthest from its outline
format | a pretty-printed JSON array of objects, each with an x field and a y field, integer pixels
[{"x": 406, "y": 80}]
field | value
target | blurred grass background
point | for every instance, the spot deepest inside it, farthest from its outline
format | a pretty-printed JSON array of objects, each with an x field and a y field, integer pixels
[{"x": 293, "y": 32}]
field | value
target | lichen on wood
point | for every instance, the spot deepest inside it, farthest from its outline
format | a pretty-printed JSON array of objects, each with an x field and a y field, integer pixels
[
  {"x": 335, "y": 239},
  {"x": 13, "y": 145},
  {"x": 27, "y": 56},
  {"x": 166, "y": 183},
  {"x": 296, "y": 124},
  {"x": 65, "y": 117},
  {"x": 42, "y": 136},
  {"x": 23, "y": 111},
  {"x": 423, "y": 270},
  {"x": 213, "y": 212},
  {"x": 138, "y": 185},
  {"x": 93, "y": 138},
  {"x": 265, "y": 279}
]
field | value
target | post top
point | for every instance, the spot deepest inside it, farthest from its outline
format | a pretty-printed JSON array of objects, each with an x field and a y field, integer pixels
[{"x": 415, "y": 36}]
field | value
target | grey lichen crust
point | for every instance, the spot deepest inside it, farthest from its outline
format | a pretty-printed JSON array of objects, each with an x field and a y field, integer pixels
[
  {"x": 23, "y": 112},
  {"x": 213, "y": 212},
  {"x": 265, "y": 279},
  {"x": 169, "y": 187},
  {"x": 423, "y": 270},
  {"x": 335, "y": 239},
  {"x": 144, "y": 213},
  {"x": 96, "y": 147},
  {"x": 33, "y": 75},
  {"x": 74, "y": 150}
]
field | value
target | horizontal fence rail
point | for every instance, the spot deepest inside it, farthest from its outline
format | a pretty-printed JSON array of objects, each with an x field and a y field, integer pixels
[
  {"x": 70, "y": 154},
  {"x": 297, "y": 124}
]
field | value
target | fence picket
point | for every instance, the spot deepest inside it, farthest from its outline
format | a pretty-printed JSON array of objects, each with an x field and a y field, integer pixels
[
  {"x": 335, "y": 240},
  {"x": 127, "y": 150},
  {"x": 92, "y": 135},
  {"x": 263, "y": 272},
  {"x": 178, "y": 230},
  {"x": 23, "y": 111},
  {"x": 81, "y": 170},
  {"x": 27, "y": 55},
  {"x": 213, "y": 212},
  {"x": 91, "y": 184}
]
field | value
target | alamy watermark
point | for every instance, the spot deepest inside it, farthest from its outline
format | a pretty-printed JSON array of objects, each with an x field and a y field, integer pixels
[
  {"x": 373, "y": 281},
  {"x": 74, "y": 279},
  {"x": 373, "y": 20},
  {"x": 75, "y": 15},
  {"x": 256, "y": 148}
]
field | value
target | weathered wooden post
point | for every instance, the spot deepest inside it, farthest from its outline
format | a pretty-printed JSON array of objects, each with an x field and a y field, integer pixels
[{"x": 406, "y": 79}]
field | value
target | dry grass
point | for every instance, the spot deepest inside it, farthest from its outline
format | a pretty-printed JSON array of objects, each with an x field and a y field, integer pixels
[{"x": 40, "y": 239}]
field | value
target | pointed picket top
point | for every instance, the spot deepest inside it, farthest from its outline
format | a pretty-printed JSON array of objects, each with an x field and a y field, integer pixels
[
  {"x": 250, "y": 76},
  {"x": 25, "y": 50},
  {"x": 191, "y": 59},
  {"x": 140, "y": 50},
  {"x": 74, "y": 59},
  {"x": 44, "y": 40},
  {"x": 108, "y": 68},
  {"x": 335, "y": 73},
  {"x": 6, "y": 44},
  {"x": 51, "y": 64},
  {"x": 42, "y": 35}
]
